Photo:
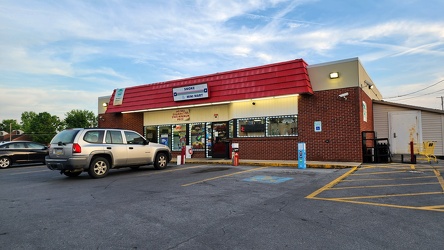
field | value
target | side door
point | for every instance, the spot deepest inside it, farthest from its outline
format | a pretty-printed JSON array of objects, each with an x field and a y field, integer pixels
[
  {"x": 20, "y": 153},
  {"x": 114, "y": 143},
  {"x": 139, "y": 153},
  {"x": 404, "y": 127},
  {"x": 37, "y": 152}
]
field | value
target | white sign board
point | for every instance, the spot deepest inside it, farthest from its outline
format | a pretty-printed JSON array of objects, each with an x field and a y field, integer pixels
[
  {"x": 118, "y": 98},
  {"x": 318, "y": 126},
  {"x": 190, "y": 92}
]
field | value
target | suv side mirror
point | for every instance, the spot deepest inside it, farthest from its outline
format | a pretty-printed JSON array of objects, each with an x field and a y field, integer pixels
[{"x": 146, "y": 142}]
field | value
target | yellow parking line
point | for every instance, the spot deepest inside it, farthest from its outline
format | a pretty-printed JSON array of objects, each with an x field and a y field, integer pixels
[
  {"x": 355, "y": 199},
  {"x": 380, "y": 204},
  {"x": 390, "y": 172},
  {"x": 172, "y": 170},
  {"x": 387, "y": 195},
  {"x": 389, "y": 179},
  {"x": 440, "y": 179},
  {"x": 331, "y": 184},
  {"x": 380, "y": 186},
  {"x": 437, "y": 206},
  {"x": 223, "y": 176}
]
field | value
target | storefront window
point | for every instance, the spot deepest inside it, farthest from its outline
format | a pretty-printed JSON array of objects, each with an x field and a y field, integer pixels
[
  {"x": 231, "y": 129},
  {"x": 165, "y": 135},
  {"x": 179, "y": 136},
  {"x": 251, "y": 127},
  {"x": 282, "y": 126},
  {"x": 209, "y": 135},
  {"x": 197, "y": 136},
  {"x": 151, "y": 133}
]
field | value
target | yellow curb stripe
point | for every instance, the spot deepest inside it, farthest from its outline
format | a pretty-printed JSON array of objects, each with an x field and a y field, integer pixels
[
  {"x": 223, "y": 176},
  {"x": 331, "y": 184}
]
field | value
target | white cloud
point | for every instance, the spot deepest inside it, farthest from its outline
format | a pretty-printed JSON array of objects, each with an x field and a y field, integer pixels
[{"x": 109, "y": 44}]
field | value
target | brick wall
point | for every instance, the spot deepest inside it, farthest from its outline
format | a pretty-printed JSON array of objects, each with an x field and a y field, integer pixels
[
  {"x": 340, "y": 138},
  {"x": 132, "y": 121},
  {"x": 278, "y": 148},
  {"x": 342, "y": 124}
]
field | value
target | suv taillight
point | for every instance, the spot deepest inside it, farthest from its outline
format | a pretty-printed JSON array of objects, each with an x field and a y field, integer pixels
[{"x": 76, "y": 148}]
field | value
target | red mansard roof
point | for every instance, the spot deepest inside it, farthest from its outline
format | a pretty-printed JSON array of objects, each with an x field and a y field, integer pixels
[{"x": 284, "y": 78}]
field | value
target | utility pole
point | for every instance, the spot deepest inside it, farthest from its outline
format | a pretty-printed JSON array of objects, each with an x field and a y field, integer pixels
[
  {"x": 10, "y": 131},
  {"x": 442, "y": 102}
]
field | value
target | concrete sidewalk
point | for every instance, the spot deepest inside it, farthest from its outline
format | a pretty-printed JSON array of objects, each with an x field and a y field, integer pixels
[{"x": 271, "y": 163}]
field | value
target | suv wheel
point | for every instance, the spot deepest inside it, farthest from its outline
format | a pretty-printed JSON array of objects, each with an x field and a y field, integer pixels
[
  {"x": 99, "y": 168},
  {"x": 161, "y": 161},
  {"x": 5, "y": 162}
]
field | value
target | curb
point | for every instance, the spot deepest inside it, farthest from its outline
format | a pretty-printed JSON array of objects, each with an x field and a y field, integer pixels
[{"x": 326, "y": 165}]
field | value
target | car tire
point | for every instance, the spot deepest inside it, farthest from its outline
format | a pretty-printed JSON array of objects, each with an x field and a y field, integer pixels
[
  {"x": 161, "y": 161},
  {"x": 5, "y": 162},
  {"x": 72, "y": 174},
  {"x": 98, "y": 168}
]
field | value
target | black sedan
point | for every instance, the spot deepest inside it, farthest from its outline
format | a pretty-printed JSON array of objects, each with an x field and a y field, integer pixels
[{"x": 21, "y": 152}]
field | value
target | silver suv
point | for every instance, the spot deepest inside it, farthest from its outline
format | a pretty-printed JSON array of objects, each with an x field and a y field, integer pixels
[{"x": 97, "y": 150}]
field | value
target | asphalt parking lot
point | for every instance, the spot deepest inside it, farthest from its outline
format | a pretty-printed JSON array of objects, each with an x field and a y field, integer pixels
[
  {"x": 408, "y": 186},
  {"x": 204, "y": 206}
]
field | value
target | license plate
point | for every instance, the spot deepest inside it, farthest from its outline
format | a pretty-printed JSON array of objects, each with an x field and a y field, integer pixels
[{"x": 58, "y": 151}]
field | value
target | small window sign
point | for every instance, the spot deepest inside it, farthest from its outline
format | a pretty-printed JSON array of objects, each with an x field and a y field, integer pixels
[{"x": 318, "y": 126}]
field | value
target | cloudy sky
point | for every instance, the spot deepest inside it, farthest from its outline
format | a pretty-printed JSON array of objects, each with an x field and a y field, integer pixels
[{"x": 60, "y": 55}]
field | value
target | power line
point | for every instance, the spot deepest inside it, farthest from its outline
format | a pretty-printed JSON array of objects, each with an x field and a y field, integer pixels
[
  {"x": 418, "y": 91},
  {"x": 412, "y": 97}
]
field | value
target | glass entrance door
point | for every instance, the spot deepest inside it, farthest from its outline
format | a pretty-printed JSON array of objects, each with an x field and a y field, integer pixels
[{"x": 220, "y": 143}]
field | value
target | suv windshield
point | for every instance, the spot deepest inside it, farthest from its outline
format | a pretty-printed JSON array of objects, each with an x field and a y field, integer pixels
[{"x": 66, "y": 136}]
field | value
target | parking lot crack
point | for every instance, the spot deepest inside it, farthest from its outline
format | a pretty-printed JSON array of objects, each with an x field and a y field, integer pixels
[{"x": 184, "y": 241}]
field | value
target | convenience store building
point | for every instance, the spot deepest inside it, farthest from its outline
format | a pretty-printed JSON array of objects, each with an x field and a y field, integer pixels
[{"x": 265, "y": 110}]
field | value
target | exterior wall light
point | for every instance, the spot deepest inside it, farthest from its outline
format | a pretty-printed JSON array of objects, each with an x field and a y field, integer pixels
[
  {"x": 334, "y": 75},
  {"x": 369, "y": 84},
  {"x": 105, "y": 104}
]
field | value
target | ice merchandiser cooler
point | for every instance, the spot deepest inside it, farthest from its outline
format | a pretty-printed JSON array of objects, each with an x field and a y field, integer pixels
[{"x": 302, "y": 155}]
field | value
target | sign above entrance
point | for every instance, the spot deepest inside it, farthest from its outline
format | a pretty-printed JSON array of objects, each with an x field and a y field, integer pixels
[{"x": 190, "y": 92}]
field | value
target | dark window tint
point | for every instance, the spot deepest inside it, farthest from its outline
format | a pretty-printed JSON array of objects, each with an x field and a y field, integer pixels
[
  {"x": 66, "y": 136},
  {"x": 19, "y": 145},
  {"x": 94, "y": 136},
  {"x": 133, "y": 138},
  {"x": 35, "y": 145},
  {"x": 113, "y": 137}
]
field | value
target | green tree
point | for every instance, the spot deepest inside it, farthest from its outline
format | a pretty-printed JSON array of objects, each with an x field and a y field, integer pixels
[
  {"x": 41, "y": 127},
  {"x": 80, "y": 119},
  {"x": 8, "y": 124}
]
